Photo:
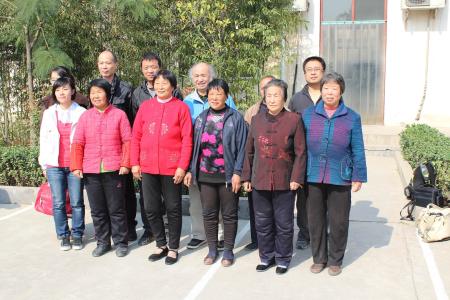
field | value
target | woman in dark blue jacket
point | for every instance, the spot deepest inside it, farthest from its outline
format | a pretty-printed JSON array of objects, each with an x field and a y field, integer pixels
[
  {"x": 336, "y": 167},
  {"x": 220, "y": 134}
]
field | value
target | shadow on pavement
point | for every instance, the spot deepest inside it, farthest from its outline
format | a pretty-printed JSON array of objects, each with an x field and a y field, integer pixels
[{"x": 366, "y": 232}]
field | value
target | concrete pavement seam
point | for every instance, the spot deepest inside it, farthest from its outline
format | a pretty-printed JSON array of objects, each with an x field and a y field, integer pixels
[
  {"x": 410, "y": 262},
  {"x": 16, "y": 213}
]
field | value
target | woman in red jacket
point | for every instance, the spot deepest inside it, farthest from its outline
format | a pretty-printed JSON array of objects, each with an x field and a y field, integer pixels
[
  {"x": 160, "y": 154},
  {"x": 100, "y": 154}
]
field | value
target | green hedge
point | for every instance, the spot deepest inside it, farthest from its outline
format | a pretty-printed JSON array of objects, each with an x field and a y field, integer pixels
[
  {"x": 421, "y": 143},
  {"x": 19, "y": 166}
]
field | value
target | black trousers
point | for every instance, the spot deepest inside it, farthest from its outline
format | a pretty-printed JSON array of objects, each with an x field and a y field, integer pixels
[
  {"x": 130, "y": 202},
  {"x": 328, "y": 205},
  {"x": 274, "y": 218},
  {"x": 251, "y": 212},
  {"x": 217, "y": 197},
  {"x": 153, "y": 187},
  {"x": 145, "y": 222},
  {"x": 106, "y": 194},
  {"x": 302, "y": 213}
]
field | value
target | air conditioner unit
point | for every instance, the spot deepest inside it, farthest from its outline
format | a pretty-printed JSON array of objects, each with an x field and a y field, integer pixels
[
  {"x": 300, "y": 5},
  {"x": 422, "y": 4}
]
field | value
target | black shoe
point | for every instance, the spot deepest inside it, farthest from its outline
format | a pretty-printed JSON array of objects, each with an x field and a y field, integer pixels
[
  {"x": 252, "y": 246},
  {"x": 121, "y": 251},
  {"x": 65, "y": 244},
  {"x": 195, "y": 243},
  {"x": 265, "y": 267},
  {"x": 302, "y": 243},
  {"x": 158, "y": 256},
  {"x": 220, "y": 245},
  {"x": 77, "y": 243},
  {"x": 171, "y": 260},
  {"x": 100, "y": 250},
  {"x": 132, "y": 235},
  {"x": 146, "y": 238},
  {"x": 281, "y": 270}
]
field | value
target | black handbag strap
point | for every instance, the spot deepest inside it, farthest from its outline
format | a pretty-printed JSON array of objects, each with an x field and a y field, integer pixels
[{"x": 409, "y": 207}]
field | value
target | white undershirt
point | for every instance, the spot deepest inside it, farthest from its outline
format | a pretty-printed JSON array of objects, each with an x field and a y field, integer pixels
[
  {"x": 64, "y": 115},
  {"x": 163, "y": 101}
]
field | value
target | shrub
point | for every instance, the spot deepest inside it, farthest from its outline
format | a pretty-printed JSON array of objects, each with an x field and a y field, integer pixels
[
  {"x": 19, "y": 166},
  {"x": 421, "y": 143}
]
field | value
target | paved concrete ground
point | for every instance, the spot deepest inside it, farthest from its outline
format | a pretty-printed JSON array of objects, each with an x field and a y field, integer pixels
[{"x": 384, "y": 260}]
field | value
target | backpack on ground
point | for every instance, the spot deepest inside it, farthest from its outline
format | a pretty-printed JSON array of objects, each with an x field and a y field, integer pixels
[{"x": 422, "y": 191}]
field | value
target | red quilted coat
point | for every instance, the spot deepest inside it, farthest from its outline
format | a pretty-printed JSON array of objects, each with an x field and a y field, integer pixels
[
  {"x": 101, "y": 137},
  {"x": 162, "y": 137}
]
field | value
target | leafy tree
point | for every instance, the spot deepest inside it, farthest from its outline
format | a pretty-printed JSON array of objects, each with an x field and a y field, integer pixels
[
  {"x": 237, "y": 37},
  {"x": 28, "y": 21}
]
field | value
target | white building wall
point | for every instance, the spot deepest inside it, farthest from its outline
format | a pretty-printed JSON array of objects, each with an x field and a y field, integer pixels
[
  {"x": 405, "y": 63},
  {"x": 405, "y": 66},
  {"x": 309, "y": 43}
]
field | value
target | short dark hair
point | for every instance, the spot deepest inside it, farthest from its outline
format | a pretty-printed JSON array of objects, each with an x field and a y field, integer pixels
[
  {"x": 218, "y": 84},
  {"x": 279, "y": 83},
  {"x": 316, "y": 58},
  {"x": 62, "y": 81},
  {"x": 115, "y": 60},
  {"x": 151, "y": 56},
  {"x": 166, "y": 74},
  {"x": 100, "y": 83},
  {"x": 62, "y": 72},
  {"x": 333, "y": 77}
]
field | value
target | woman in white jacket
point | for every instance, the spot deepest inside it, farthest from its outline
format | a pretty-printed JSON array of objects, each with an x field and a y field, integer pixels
[{"x": 57, "y": 129}]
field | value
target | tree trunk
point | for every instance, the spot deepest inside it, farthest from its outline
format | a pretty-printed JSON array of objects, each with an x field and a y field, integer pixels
[
  {"x": 6, "y": 106},
  {"x": 31, "y": 101}
]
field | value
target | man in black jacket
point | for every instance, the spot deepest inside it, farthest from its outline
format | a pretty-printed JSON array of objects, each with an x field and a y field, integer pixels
[
  {"x": 313, "y": 70},
  {"x": 120, "y": 98},
  {"x": 150, "y": 66}
]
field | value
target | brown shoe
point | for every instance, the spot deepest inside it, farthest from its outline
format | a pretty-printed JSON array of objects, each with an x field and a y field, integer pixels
[
  {"x": 334, "y": 270},
  {"x": 317, "y": 268},
  {"x": 227, "y": 262},
  {"x": 208, "y": 260}
]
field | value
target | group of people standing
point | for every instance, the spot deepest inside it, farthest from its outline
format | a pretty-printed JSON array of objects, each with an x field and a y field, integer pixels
[{"x": 312, "y": 151}]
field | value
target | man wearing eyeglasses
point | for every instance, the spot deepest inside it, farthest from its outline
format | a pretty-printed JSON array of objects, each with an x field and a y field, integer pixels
[{"x": 313, "y": 70}]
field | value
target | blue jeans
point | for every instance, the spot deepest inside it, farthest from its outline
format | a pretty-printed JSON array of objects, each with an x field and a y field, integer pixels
[{"x": 61, "y": 179}]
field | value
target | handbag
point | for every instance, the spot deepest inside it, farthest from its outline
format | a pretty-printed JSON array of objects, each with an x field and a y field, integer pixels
[
  {"x": 433, "y": 223},
  {"x": 44, "y": 202}
]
